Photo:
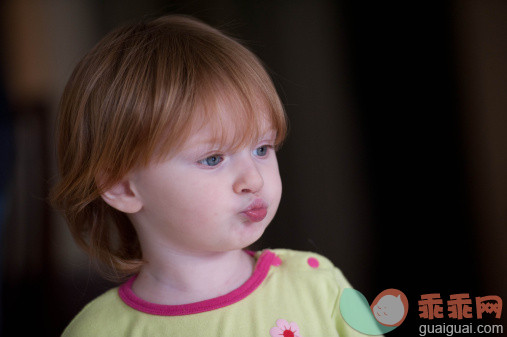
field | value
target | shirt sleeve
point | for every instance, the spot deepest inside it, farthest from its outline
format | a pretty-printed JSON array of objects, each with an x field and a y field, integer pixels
[{"x": 341, "y": 326}]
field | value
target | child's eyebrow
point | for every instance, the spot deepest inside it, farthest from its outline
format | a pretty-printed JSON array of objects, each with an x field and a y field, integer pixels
[
  {"x": 217, "y": 143},
  {"x": 202, "y": 145},
  {"x": 268, "y": 135}
]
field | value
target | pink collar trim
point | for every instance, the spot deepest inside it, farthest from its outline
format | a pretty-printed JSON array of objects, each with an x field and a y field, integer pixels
[{"x": 264, "y": 262}]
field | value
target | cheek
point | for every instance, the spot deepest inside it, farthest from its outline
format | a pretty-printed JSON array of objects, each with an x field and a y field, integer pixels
[
  {"x": 198, "y": 197},
  {"x": 167, "y": 192},
  {"x": 273, "y": 182}
]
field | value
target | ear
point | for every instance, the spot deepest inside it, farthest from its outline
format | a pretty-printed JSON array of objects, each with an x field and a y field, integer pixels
[{"x": 123, "y": 197}]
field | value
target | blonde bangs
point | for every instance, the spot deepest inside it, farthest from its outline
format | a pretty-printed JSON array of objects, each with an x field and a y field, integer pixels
[
  {"x": 225, "y": 91},
  {"x": 239, "y": 117},
  {"x": 235, "y": 118}
]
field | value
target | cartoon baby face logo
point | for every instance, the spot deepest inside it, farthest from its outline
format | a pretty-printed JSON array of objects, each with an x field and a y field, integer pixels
[
  {"x": 389, "y": 307},
  {"x": 387, "y": 311}
]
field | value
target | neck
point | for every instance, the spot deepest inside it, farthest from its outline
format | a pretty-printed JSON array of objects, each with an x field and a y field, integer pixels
[{"x": 178, "y": 278}]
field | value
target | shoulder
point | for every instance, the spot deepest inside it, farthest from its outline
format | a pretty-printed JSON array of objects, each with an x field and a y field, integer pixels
[
  {"x": 317, "y": 268},
  {"x": 301, "y": 260},
  {"x": 100, "y": 317}
]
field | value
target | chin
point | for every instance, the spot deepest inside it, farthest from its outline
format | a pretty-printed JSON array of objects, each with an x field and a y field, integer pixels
[
  {"x": 251, "y": 238},
  {"x": 254, "y": 238}
]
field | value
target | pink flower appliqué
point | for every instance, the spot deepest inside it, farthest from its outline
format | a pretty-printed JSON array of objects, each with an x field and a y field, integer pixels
[{"x": 285, "y": 329}]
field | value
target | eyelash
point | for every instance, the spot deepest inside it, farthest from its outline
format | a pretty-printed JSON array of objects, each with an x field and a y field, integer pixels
[
  {"x": 216, "y": 159},
  {"x": 206, "y": 163},
  {"x": 268, "y": 147}
]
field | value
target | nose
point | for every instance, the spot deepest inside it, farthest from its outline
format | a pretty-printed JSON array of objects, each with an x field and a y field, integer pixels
[{"x": 249, "y": 178}]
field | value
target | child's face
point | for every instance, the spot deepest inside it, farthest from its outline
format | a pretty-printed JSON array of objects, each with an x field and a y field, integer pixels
[{"x": 203, "y": 199}]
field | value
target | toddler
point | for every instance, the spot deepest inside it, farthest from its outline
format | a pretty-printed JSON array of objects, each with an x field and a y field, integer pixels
[{"x": 168, "y": 131}]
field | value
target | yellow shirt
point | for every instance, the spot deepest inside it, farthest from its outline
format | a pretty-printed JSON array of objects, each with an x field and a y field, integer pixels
[{"x": 289, "y": 294}]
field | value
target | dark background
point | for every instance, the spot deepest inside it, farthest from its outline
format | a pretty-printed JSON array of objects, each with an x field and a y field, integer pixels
[{"x": 394, "y": 168}]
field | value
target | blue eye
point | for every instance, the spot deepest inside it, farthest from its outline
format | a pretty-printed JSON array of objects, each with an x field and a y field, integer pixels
[
  {"x": 261, "y": 151},
  {"x": 211, "y": 160}
]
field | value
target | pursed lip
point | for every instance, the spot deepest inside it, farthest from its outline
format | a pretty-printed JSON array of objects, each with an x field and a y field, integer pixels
[{"x": 256, "y": 211}]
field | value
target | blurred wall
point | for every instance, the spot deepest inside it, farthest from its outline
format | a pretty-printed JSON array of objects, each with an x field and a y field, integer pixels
[
  {"x": 396, "y": 149},
  {"x": 481, "y": 28}
]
